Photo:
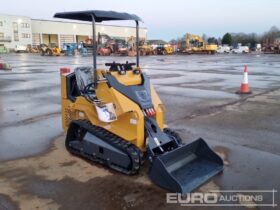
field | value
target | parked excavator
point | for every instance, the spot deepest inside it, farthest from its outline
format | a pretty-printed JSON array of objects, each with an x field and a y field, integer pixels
[
  {"x": 114, "y": 116},
  {"x": 131, "y": 43},
  {"x": 196, "y": 45}
]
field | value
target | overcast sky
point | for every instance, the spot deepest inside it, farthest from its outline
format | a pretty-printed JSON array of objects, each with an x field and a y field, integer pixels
[{"x": 167, "y": 19}]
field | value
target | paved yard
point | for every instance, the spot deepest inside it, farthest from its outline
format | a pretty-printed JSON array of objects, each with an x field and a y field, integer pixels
[{"x": 36, "y": 172}]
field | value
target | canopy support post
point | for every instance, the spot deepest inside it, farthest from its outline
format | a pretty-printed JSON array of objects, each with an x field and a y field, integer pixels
[
  {"x": 137, "y": 43},
  {"x": 94, "y": 51}
]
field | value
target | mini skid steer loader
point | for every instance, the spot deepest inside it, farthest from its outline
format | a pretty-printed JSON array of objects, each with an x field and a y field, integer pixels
[{"x": 115, "y": 117}]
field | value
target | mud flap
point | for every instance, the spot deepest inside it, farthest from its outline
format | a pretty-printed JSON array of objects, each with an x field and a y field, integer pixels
[{"x": 185, "y": 168}]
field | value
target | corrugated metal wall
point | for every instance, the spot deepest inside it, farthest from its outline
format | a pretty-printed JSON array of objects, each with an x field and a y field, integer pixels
[
  {"x": 64, "y": 38},
  {"x": 36, "y": 39}
]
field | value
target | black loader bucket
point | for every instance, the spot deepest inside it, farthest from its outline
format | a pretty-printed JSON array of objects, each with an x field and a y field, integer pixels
[{"x": 185, "y": 168}]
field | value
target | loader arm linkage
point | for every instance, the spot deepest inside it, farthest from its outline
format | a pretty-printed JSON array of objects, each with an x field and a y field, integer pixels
[{"x": 174, "y": 166}]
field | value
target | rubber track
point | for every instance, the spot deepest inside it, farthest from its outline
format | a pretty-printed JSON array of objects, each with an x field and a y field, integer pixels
[{"x": 130, "y": 149}]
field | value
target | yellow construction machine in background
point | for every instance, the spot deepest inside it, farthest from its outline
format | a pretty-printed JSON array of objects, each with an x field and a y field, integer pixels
[
  {"x": 196, "y": 45},
  {"x": 51, "y": 49},
  {"x": 168, "y": 49},
  {"x": 145, "y": 48}
]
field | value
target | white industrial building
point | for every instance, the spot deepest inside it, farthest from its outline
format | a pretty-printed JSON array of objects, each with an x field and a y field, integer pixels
[
  {"x": 15, "y": 30},
  {"x": 21, "y": 30}
]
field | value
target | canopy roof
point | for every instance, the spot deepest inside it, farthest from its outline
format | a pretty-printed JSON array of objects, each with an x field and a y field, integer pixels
[{"x": 99, "y": 15}]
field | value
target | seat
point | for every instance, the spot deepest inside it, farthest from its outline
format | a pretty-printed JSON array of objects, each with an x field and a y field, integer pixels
[
  {"x": 84, "y": 77},
  {"x": 85, "y": 80}
]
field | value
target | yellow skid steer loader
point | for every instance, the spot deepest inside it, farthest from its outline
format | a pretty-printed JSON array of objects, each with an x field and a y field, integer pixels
[{"x": 115, "y": 117}]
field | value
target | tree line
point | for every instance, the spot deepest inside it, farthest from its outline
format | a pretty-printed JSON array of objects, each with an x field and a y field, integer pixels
[
  {"x": 246, "y": 39},
  {"x": 250, "y": 39}
]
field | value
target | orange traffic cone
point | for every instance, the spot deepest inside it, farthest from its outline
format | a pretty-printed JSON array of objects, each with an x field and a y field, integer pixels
[{"x": 244, "y": 87}]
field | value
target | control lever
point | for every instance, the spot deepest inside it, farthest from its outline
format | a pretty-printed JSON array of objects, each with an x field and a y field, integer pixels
[
  {"x": 116, "y": 67},
  {"x": 128, "y": 66}
]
